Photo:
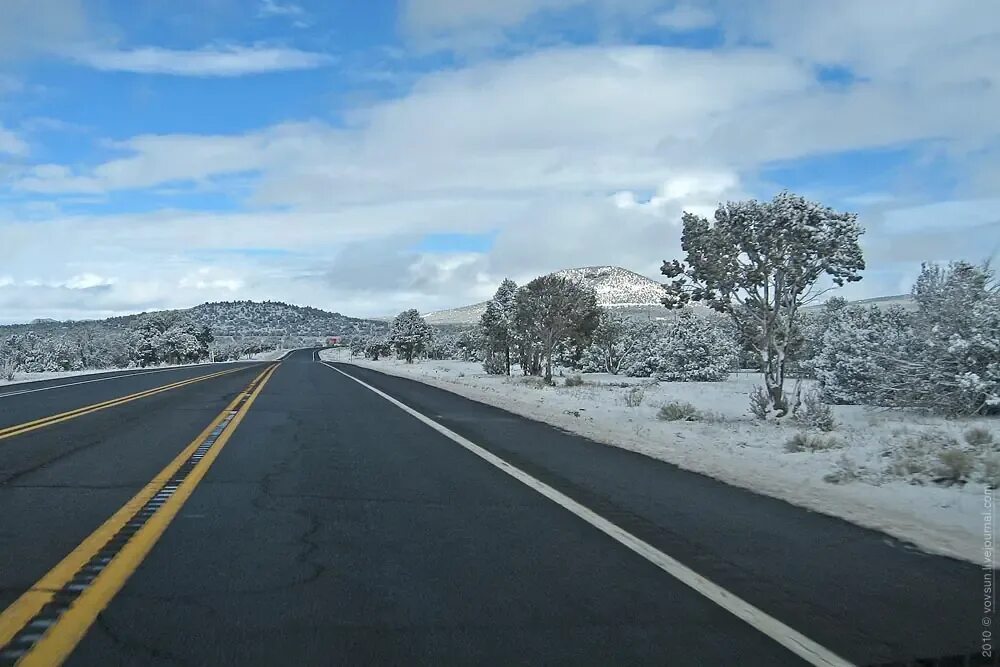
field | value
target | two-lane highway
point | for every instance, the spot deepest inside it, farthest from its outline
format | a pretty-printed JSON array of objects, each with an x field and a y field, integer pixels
[{"x": 317, "y": 514}]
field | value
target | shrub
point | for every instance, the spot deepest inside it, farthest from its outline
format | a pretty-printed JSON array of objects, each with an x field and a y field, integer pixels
[
  {"x": 807, "y": 442},
  {"x": 634, "y": 397},
  {"x": 574, "y": 381},
  {"x": 760, "y": 403},
  {"x": 845, "y": 470},
  {"x": 814, "y": 413},
  {"x": 977, "y": 436},
  {"x": 990, "y": 474},
  {"x": 678, "y": 411},
  {"x": 494, "y": 364},
  {"x": 954, "y": 465},
  {"x": 920, "y": 455}
]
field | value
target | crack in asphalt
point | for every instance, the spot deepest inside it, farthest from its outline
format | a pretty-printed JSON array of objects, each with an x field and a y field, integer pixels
[{"x": 129, "y": 645}]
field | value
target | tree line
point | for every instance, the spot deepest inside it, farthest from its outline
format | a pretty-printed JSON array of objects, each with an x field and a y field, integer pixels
[{"x": 149, "y": 340}]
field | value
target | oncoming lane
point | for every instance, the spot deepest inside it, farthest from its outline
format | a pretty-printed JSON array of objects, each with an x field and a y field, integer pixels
[
  {"x": 21, "y": 404},
  {"x": 59, "y": 483}
]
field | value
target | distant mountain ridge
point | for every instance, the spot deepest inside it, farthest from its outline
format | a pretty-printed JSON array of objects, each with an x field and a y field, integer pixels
[
  {"x": 615, "y": 288},
  {"x": 238, "y": 319}
]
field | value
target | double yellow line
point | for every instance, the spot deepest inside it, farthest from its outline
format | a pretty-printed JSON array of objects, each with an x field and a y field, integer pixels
[
  {"x": 44, "y": 630},
  {"x": 18, "y": 429}
]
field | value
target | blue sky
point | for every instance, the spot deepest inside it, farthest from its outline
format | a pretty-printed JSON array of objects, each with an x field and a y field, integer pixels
[{"x": 366, "y": 157}]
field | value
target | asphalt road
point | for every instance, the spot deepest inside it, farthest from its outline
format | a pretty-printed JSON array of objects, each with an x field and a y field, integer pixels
[{"x": 335, "y": 528}]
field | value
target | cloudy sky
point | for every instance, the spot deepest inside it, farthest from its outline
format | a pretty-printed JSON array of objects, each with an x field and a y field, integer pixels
[{"x": 369, "y": 156}]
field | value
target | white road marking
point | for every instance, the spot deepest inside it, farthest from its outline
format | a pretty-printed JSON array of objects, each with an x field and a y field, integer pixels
[
  {"x": 73, "y": 384},
  {"x": 794, "y": 641}
]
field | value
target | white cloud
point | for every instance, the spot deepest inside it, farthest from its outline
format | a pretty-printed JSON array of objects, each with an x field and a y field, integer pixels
[
  {"x": 296, "y": 14},
  {"x": 11, "y": 144},
  {"x": 86, "y": 281},
  {"x": 273, "y": 8},
  {"x": 207, "y": 278},
  {"x": 570, "y": 155},
  {"x": 222, "y": 61}
]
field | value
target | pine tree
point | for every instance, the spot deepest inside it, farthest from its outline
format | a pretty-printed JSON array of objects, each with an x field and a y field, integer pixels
[
  {"x": 409, "y": 334},
  {"x": 496, "y": 325},
  {"x": 550, "y": 309}
]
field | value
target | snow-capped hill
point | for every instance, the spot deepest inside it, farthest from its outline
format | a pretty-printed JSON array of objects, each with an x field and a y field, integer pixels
[
  {"x": 274, "y": 318},
  {"x": 461, "y": 315},
  {"x": 615, "y": 288}
]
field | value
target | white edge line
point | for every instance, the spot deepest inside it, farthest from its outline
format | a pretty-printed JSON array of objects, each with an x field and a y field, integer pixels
[
  {"x": 791, "y": 639},
  {"x": 113, "y": 377}
]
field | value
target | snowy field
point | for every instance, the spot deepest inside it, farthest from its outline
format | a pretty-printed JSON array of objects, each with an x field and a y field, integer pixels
[
  {"x": 20, "y": 378},
  {"x": 882, "y": 461}
]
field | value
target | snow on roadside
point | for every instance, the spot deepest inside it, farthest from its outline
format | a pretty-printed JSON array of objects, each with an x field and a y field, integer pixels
[
  {"x": 732, "y": 446},
  {"x": 24, "y": 378}
]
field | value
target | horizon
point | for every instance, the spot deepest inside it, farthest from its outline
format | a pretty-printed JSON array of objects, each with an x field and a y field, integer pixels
[{"x": 412, "y": 154}]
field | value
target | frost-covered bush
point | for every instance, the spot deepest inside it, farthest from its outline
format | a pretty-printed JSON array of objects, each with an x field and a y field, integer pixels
[
  {"x": 494, "y": 364},
  {"x": 678, "y": 411},
  {"x": 919, "y": 457},
  {"x": 760, "y": 402},
  {"x": 977, "y": 436},
  {"x": 845, "y": 470},
  {"x": 812, "y": 412},
  {"x": 574, "y": 381},
  {"x": 856, "y": 354},
  {"x": 954, "y": 465},
  {"x": 693, "y": 348},
  {"x": 989, "y": 472},
  {"x": 634, "y": 397},
  {"x": 810, "y": 442}
]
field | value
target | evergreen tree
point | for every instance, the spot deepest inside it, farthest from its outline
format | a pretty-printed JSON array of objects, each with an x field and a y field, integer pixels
[
  {"x": 760, "y": 262},
  {"x": 496, "y": 325},
  {"x": 550, "y": 309},
  {"x": 409, "y": 334}
]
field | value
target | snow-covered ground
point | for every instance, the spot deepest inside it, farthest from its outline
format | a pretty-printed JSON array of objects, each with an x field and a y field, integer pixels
[
  {"x": 21, "y": 378},
  {"x": 729, "y": 444}
]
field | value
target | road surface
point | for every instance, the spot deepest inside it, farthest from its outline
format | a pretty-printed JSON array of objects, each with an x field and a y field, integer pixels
[{"x": 305, "y": 513}]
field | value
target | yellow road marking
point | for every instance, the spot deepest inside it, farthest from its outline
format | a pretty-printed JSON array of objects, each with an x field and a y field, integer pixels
[
  {"x": 63, "y": 636},
  {"x": 18, "y": 429}
]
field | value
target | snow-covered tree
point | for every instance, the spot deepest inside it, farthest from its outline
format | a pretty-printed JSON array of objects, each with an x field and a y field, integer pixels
[
  {"x": 951, "y": 362},
  {"x": 760, "y": 262},
  {"x": 550, "y": 309},
  {"x": 496, "y": 326},
  {"x": 409, "y": 334},
  {"x": 692, "y": 348},
  {"x": 856, "y": 351},
  {"x": 376, "y": 347},
  {"x": 10, "y": 358},
  {"x": 812, "y": 326},
  {"x": 616, "y": 343}
]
